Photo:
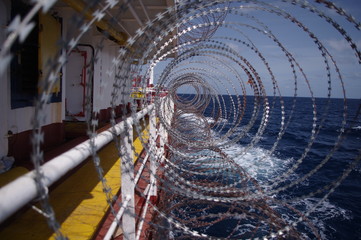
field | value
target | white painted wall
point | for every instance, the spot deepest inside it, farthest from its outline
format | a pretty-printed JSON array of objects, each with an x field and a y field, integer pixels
[{"x": 103, "y": 81}]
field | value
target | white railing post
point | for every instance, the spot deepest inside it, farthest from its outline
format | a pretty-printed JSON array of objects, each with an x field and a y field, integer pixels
[
  {"x": 153, "y": 151},
  {"x": 161, "y": 139},
  {"x": 128, "y": 184},
  {"x": 117, "y": 218},
  {"x": 168, "y": 110}
]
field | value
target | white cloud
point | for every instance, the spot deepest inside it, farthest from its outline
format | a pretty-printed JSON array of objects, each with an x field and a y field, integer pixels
[
  {"x": 338, "y": 45},
  {"x": 236, "y": 46},
  {"x": 341, "y": 45}
]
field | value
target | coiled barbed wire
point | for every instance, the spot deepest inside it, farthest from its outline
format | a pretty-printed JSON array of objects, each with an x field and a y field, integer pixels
[{"x": 220, "y": 52}]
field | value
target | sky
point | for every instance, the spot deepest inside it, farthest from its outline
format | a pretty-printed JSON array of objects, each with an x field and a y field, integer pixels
[{"x": 296, "y": 41}]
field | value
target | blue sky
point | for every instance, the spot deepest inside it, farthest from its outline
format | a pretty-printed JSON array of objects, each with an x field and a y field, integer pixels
[{"x": 298, "y": 43}]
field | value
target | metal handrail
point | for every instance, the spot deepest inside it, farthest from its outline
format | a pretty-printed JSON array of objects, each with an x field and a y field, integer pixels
[{"x": 22, "y": 190}]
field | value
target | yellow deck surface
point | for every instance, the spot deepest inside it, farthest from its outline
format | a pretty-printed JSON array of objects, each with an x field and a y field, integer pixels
[
  {"x": 11, "y": 175},
  {"x": 79, "y": 202}
]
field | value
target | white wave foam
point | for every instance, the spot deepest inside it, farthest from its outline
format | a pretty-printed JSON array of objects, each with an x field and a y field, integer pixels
[
  {"x": 239, "y": 130},
  {"x": 210, "y": 120},
  {"x": 325, "y": 211},
  {"x": 222, "y": 120},
  {"x": 263, "y": 167},
  {"x": 258, "y": 162},
  {"x": 192, "y": 118},
  {"x": 357, "y": 128}
]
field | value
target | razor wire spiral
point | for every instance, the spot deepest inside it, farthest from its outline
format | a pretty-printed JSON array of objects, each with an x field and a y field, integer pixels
[{"x": 202, "y": 184}]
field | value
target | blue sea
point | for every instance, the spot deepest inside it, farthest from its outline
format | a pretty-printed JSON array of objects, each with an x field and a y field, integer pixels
[{"x": 312, "y": 129}]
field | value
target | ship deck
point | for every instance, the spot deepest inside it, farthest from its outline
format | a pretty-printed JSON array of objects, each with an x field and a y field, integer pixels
[{"x": 78, "y": 200}]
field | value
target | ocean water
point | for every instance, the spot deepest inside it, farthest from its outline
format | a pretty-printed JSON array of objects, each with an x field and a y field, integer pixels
[{"x": 313, "y": 130}]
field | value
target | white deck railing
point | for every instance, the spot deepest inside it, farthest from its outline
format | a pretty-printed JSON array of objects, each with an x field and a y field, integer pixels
[{"x": 23, "y": 189}]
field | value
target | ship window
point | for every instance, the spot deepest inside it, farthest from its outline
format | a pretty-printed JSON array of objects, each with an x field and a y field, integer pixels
[
  {"x": 24, "y": 65},
  {"x": 28, "y": 65}
]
